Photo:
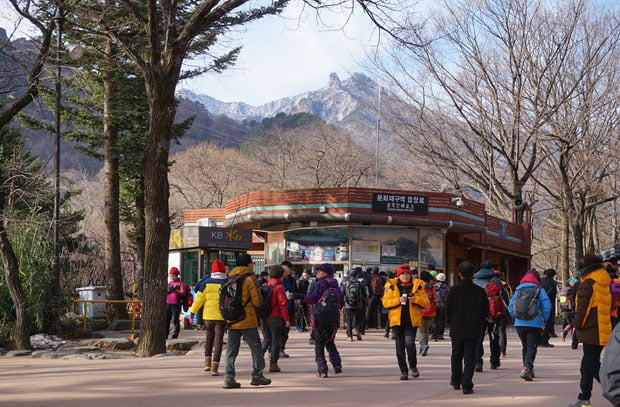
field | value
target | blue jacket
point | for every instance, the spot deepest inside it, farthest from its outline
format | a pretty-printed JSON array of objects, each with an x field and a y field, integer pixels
[{"x": 543, "y": 306}]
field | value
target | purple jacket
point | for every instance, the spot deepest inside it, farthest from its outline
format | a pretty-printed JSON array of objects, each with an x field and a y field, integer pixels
[{"x": 320, "y": 285}]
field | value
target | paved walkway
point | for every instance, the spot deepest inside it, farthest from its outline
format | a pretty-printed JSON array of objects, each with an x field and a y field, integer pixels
[{"x": 370, "y": 378}]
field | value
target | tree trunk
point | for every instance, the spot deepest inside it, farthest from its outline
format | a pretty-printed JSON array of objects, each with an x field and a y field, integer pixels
[
  {"x": 578, "y": 238},
  {"x": 112, "y": 251},
  {"x": 155, "y": 164},
  {"x": 11, "y": 276},
  {"x": 140, "y": 236},
  {"x": 564, "y": 261}
]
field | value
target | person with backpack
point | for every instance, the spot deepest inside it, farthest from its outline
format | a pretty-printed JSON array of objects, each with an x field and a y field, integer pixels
[
  {"x": 375, "y": 309},
  {"x": 354, "y": 294},
  {"x": 275, "y": 315},
  {"x": 301, "y": 313},
  {"x": 592, "y": 321},
  {"x": 615, "y": 293},
  {"x": 207, "y": 303},
  {"x": 467, "y": 308},
  {"x": 239, "y": 299},
  {"x": 290, "y": 287},
  {"x": 483, "y": 278},
  {"x": 327, "y": 300},
  {"x": 567, "y": 306},
  {"x": 404, "y": 298},
  {"x": 503, "y": 322},
  {"x": 428, "y": 313},
  {"x": 550, "y": 286},
  {"x": 530, "y": 307},
  {"x": 441, "y": 294},
  {"x": 177, "y": 291}
]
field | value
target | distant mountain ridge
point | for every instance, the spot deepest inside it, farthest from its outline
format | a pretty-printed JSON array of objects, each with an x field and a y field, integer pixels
[{"x": 348, "y": 104}]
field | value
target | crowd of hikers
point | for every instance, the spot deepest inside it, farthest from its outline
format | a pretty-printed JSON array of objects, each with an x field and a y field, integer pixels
[{"x": 412, "y": 307}]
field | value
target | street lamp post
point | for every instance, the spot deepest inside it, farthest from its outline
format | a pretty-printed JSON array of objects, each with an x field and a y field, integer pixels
[{"x": 59, "y": 19}]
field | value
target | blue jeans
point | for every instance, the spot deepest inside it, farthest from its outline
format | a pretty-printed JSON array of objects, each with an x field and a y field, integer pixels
[{"x": 232, "y": 350}]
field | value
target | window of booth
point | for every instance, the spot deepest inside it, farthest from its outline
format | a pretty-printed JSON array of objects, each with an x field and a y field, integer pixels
[
  {"x": 189, "y": 266},
  {"x": 432, "y": 248},
  {"x": 318, "y": 245}
]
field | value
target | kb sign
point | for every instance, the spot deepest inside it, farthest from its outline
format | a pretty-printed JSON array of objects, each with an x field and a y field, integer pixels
[{"x": 213, "y": 238}]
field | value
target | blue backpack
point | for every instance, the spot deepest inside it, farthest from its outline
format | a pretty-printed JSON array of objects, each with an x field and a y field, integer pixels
[{"x": 327, "y": 310}]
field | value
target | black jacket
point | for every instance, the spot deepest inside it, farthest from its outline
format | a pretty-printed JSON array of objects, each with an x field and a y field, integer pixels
[{"x": 467, "y": 307}]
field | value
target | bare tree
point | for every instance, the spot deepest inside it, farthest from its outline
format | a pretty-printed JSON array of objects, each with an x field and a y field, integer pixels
[{"x": 476, "y": 101}]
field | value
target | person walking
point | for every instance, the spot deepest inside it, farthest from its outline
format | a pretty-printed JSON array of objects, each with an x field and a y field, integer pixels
[
  {"x": 404, "y": 298},
  {"x": 327, "y": 300},
  {"x": 246, "y": 327},
  {"x": 428, "y": 313},
  {"x": 207, "y": 302},
  {"x": 290, "y": 287},
  {"x": 354, "y": 290},
  {"x": 277, "y": 320},
  {"x": 550, "y": 286},
  {"x": 439, "y": 323},
  {"x": 301, "y": 313},
  {"x": 530, "y": 307},
  {"x": 177, "y": 289},
  {"x": 492, "y": 326},
  {"x": 467, "y": 307},
  {"x": 592, "y": 321}
]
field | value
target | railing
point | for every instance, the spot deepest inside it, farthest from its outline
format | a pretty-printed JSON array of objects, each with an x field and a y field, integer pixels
[{"x": 134, "y": 310}]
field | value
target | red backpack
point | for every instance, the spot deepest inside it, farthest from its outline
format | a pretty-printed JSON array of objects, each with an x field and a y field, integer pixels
[
  {"x": 497, "y": 306},
  {"x": 431, "y": 310}
]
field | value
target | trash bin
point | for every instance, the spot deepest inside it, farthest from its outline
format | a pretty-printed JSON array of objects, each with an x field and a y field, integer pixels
[{"x": 96, "y": 309}]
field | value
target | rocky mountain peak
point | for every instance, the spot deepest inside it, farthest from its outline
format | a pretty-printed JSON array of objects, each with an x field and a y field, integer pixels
[{"x": 334, "y": 81}]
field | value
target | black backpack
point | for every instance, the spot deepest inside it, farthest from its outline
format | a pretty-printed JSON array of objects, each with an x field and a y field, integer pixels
[
  {"x": 353, "y": 293},
  {"x": 525, "y": 303},
  {"x": 231, "y": 303},
  {"x": 266, "y": 291}
]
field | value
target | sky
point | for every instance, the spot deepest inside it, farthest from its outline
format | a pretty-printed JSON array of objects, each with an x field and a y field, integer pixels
[
  {"x": 288, "y": 55},
  {"x": 282, "y": 55}
]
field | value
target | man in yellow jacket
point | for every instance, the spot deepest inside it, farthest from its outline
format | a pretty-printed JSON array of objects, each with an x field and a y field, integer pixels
[
  {"x": 592, "y": 321},
  {"x": 405, "y": 299},
  {"x": 248, "y": 327}
]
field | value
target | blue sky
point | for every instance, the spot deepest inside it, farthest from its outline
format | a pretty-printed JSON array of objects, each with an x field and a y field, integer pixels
[{"x": 288, "y": 55}]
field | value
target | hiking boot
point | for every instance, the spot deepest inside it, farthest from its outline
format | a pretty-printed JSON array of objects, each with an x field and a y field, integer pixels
[
  {"x": 260, "y": 380},
  {"x": 455, "y": 386},
  {"x": 207, "y": 363},
  {"x": 387, "y": 335},
  {"x": 503, "y": 354},
  {"x": 479, "y": 367},
  {"x": 359, "y": 336},
  {"x": 284, "y": 355},
  {"x": 230, "y": 383},
  {"x": 274, "y": 368},
  {"x": 214, "y": 367},
  {"x": 468, "y": 391},
  {"x": 414, "y": 372},
  {"x": 322, "y": 375},
  {"x": 404, "y": 376},
  {"x": 338, "y": 369},
  {"x": 532, "y": 373},
  {"x": 580, "y": 403},
  {"x": 424, "y": 351},
  {"x": 526, "y": 374},
  {"x": 494, "y": 366},
  {"x": 349, "y": 339}
]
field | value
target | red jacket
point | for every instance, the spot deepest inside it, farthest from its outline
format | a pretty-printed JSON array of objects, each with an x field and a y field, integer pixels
[{"x": 278, "y": 300}]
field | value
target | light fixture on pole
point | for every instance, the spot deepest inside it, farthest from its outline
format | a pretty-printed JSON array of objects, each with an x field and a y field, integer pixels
[{"x": 74, "y": 53}]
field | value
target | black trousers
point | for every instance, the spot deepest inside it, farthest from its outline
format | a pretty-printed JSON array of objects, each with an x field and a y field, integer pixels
[
  {"x": 492, "y": 329},
  {"x": 172, "y": 313},
  {"x": 405, "y": 347},
  {"x": 530, "y": 339},
  {"x": 353, "y": 319},
  {"x": 272, "y": 336},
  {"x": 590, "y": 365},
  {"x": 439, "y": 324},
  {"x": 463, "y": 362}
]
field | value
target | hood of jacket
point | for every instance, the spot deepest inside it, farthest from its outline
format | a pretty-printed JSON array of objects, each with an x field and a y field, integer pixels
[
  {"x": 240, "y": 270},
  {"x": 529, "y": 278},
  {"x": 485, "y": 274}
]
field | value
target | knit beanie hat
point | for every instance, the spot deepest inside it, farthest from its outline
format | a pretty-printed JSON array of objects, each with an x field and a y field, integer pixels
[
  {"x": 244, "y": 260},
  {"x": 218, "y": 267},
  {"x": 403, "y": 268},
  {"x": 326, "y": 267}
]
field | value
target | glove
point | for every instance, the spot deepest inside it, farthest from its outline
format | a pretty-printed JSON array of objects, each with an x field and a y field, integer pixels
[{"x": 172, "y": 288}]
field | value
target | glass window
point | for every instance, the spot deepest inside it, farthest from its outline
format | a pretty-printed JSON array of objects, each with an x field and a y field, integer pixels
[
  {"x": 318, "y": 245},
  {"x": 385, "y": 245},
  {"x": 432, "y": 248}
]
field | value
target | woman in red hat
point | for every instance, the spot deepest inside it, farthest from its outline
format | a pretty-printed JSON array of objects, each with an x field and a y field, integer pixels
[
  {"x": 405, "y": 299},
  {"x": 176, "y": 291}
]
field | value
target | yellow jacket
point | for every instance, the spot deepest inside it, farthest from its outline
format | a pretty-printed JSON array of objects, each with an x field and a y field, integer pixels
[
  {"x": 593, "y": 305},
  {"x": 209, "y": 300},
  {"x": 391, "y": 301},
  {"x": 250, "y": 296}
]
